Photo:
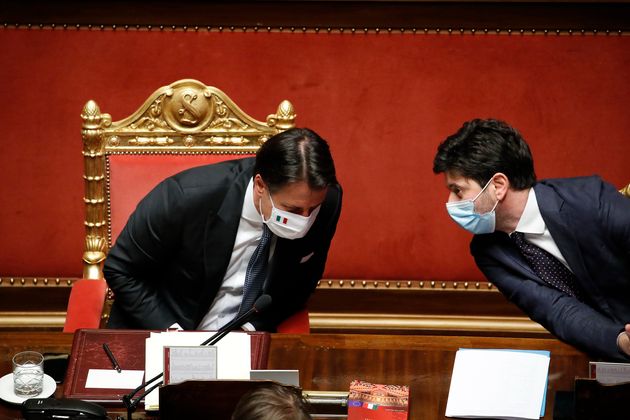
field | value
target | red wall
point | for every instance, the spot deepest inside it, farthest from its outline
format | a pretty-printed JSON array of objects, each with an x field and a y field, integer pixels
[{"x": 384, "y": 102}]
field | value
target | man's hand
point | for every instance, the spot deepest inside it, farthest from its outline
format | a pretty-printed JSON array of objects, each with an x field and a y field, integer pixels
[{"x": 623, "y": 340}]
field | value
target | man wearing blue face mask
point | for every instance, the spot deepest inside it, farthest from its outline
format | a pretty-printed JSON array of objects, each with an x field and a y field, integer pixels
[
  {"x": 557, "y": 248},
  {"x": 205, "y": 243}
]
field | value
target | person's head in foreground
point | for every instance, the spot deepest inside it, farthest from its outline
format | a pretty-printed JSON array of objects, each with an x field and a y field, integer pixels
[{"x": 272, "y": 402}]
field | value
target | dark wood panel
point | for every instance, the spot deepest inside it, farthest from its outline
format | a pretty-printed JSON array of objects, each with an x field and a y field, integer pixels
[
  {"x": 331, "y": 362},
  {"x": 588, "y": 15},
  {"x": 41, "y": 341},
  {"x": 417, "y": 307},
  {"x": 407, "y": 301}
]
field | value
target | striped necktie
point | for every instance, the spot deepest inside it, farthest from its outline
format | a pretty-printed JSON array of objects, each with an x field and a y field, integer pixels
[{"x": 256, "y": 271}]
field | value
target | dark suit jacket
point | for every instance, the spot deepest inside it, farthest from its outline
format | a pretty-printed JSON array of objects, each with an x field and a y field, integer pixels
[
  {"x": 590, "y": 222},
  {"x": 171, "y": 257}
]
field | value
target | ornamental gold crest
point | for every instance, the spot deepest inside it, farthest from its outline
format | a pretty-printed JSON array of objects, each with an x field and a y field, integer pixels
[{"x": 188, "y": 109}]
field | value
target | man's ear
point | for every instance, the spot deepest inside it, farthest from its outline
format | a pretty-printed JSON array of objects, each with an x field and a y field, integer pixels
[
  {"x": 501, "y": 185},
  {"x": 259, "y": 184}
]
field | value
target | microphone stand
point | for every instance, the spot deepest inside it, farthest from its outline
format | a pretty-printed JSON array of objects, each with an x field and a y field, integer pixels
[{"x": 261, "y": 304}]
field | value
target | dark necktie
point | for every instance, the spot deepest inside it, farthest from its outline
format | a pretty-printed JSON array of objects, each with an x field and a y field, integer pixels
[
  {"x": 547, "y": 267},
  {"x": 256, "y": 270}
]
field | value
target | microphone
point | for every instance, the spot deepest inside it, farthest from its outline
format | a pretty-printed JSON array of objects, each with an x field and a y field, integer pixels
[{"x": 262, "y": 304}]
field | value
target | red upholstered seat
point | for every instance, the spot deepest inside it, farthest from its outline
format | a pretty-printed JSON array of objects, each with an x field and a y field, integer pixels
[{"x": 298, "y": 323}]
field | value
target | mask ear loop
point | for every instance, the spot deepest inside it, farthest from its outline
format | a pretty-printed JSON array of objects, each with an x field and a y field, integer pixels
[
  {"x": 483, "y": 189},
  {"x": 262, "y": 216},
  {"x": 496, "y": 203}
]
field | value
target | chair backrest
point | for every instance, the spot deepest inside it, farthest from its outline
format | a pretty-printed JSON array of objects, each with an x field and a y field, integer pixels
[
  {"x": 182, "y": 125},
  {"x": 179, "y": 126}
]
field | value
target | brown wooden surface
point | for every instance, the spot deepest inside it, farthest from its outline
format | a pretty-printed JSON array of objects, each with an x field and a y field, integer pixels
[{"x": 330, "y": 362}]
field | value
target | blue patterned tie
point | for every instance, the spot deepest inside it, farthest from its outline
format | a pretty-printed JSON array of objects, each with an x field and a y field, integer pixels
[
  {"x": 547, "y": 267},
  {"x": 256, "y": 270}
]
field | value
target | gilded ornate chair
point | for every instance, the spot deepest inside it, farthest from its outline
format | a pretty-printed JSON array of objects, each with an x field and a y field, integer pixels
[
  {"x": 179, "y": 126},
  {"x": 625, "y": 191}
]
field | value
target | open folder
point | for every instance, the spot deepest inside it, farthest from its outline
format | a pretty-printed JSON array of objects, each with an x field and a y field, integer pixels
[{"x": 499, "y": 384}]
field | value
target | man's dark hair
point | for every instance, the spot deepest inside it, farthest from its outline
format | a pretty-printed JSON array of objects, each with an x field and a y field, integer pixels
[
  {"x": 481, "y": 148},
  {"x": 272, "y": 402},
  {"x": 298, "y": 154}
]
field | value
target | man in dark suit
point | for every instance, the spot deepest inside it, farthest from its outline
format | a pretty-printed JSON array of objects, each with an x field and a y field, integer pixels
[
  {"x": 205, "y": 243},
  {"x": 558, "y": 248}
]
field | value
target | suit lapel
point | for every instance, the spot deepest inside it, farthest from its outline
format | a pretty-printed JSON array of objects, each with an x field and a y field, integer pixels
[
  {"x": 220, "y": 234},
  {"x": 504, "y": 245},
  {"x": 556, "y": 215}
]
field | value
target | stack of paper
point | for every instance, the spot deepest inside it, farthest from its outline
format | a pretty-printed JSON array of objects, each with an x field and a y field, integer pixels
[{"x": 501, "y": 384}]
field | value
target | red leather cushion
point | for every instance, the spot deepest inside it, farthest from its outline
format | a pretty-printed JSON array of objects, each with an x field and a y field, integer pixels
[
  {"x": 133, "y": 176},
  {"x": 298, "y": 323},
  {"x": 85, "y": 305}
]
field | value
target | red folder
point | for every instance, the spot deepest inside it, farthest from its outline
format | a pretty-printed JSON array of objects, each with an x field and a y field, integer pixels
[{"x": 128, "y": 347}]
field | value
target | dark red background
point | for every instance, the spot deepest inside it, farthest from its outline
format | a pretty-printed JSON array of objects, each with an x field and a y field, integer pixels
[{"x": 383, "y": 101}]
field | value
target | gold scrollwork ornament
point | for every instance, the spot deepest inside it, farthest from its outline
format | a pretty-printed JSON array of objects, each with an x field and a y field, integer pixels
[{"x": 188, "y": 109}]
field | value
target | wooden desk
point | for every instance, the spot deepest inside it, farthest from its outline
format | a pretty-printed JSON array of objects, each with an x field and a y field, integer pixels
[{"x": 330, "y": 362}]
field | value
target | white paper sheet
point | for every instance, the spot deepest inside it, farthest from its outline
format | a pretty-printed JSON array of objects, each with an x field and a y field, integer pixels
[
  {"x": 233, "y": 356},
  {"x": 503, "y": 384},
  {"x": 112, "y": 379}
]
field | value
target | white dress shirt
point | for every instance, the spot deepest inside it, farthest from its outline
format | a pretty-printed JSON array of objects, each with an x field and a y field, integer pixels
[
  {"x": 535, "y": 230},
  {"x": 227, "y": 302}
]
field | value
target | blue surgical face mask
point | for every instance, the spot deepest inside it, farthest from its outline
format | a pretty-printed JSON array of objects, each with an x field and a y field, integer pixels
[{"x": 463, "y": 212}]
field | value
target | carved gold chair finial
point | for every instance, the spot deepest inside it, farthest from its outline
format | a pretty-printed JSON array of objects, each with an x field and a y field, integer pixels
[
  {"x": 625, "y": 191},
  {"x": 284, "y": 118}
]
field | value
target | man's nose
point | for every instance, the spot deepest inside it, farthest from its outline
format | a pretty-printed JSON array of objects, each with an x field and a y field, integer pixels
[{"x": 304, "y": 212}]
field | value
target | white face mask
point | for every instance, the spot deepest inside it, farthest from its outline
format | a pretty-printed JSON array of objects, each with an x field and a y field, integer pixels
[{"x": 288, "y": 225}]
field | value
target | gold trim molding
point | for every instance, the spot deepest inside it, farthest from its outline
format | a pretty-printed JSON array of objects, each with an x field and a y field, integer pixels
[
  {"x": 317, "y": 29},
  {"x": 410, "y": 285},
  {"x": 447, "y": 308},
  {"x": 32, "y": 320},
  {"x": 387, "y": 323},
  {"x": 9, "y": 281}
]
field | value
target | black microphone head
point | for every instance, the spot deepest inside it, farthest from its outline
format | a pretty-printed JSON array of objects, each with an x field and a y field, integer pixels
[{"x": 262, "y": 303}]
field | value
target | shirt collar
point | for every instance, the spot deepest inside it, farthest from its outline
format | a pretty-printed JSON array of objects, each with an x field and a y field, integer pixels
[
  {"x": 249, "y": 209},
  {"x": 531, "y": 220}
]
